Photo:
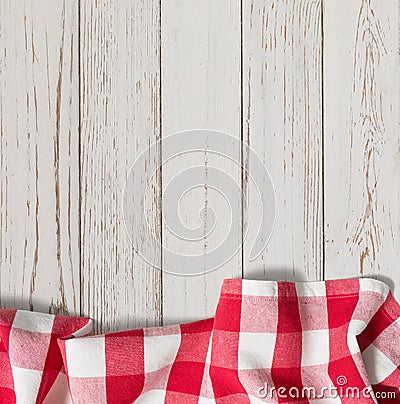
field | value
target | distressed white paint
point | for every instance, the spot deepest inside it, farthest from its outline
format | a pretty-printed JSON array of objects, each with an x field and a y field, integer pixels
[
  {"x": 120, "y": 116},
  {"x": 39, "y": 196},
  {"x": 200, "y": 89},
  {"x": 144, "y": 73},
  {"x": 282, "y": 122},
  {"x": 362, "y": 160}
]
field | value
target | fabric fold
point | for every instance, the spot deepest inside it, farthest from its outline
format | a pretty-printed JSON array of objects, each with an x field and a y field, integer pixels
[
  {"x": 30, "y": 360},
  {"x": 152, "y": 365},
  {"x": 335, "y": 341}
]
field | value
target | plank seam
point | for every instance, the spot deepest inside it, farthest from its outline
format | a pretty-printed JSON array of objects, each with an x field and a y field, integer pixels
[
  {"x": 160, "y": 165},
  {"x": 80, "y": 254},
  {"x": 322, "y": 273},
  {"x": 241, "y": 137}
]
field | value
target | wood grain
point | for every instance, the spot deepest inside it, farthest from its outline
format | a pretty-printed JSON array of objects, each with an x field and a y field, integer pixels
[
  {"x": 282, "y": 122},
  {"x": 39, "y": 194},
  {"x": 362, "y": 195},
  {"x": 200, "y": 89},
  {"x": 85, "y": 87},
  {"x": 120, "y": 117}
]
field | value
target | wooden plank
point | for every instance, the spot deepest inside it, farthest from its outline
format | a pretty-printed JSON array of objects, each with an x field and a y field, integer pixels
[
  {"x": 282, "y": 105},
  {"x": 362, "y": 195},
  {"x": 39, "y": 194},
  {"x": 200, "y": 89},
  {"x": 120, "y": 117}
]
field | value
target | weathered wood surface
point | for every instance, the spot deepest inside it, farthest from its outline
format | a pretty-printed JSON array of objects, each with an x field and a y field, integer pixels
[
  {"x": 201, "y": 84},
  {"x": 39, "y": 195},
  {"x": 120, "y": 116},
  {"x": 282, "y": 122},
  {"x": 362, "y": 160},
  {"x": 312, "y": 86}
]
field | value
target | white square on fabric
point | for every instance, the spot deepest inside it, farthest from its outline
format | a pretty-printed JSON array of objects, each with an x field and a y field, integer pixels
[
  {"x": 315, "y": 347},
  {"x": 86, "y": 357},
  {"x": 256, "y": 288},
  {"x": 256, "y": 350},
  {"x": 160, "y": 351},
  {"x": 35, "y": 322},
  {"x": 208, "y": 356},
  {"x": 373, "y": 285},
  {"x": 205, "y": 400},
  {"x": 304, "y": 289},
  {"x": 356, "y": 327},
  {"x": 378, "y": 365},
  {"x": 26, "y": 384}
]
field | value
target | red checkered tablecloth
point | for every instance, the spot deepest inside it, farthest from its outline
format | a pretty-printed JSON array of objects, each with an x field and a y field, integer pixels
[{"x": 335, "y": 341}]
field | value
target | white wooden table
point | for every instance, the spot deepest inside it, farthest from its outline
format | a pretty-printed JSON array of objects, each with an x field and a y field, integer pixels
[{"x": 312, "y": 85}]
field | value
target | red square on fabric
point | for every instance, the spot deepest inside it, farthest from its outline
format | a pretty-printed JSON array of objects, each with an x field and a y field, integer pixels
[
  {"x": 6, "y": 320},
  {"x": 53, "y": 359},
  {"x": 7, "y": 317},
  {"x": 225, "y": 382},
  {"x": 6, "y": 379},
  {"x": 228, "y": 314},
  {"x": 193, "y": 347},
  {"x": 341, "y": 309},
  {"x": 342, "y": 287},
  {"x": 197, "y": 326},
  {"x": 124, "y": 389},
  {"x": 7, "y": 396},
  {"x": 124, "y": 353},
  {"x": 288, "y": 348},
  {"x": 186, "y": 377},
  {"x": 66, "y": 325},
  {"x": 338, "y": 347},
  {"x": 345, "y": 367},
  {"x": 288, "y": 307}
]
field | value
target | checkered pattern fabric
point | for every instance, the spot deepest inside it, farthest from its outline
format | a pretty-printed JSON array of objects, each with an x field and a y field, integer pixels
[
  {"x": 161, "y": 364},
  {"x": 316, "y": 342},
  {"x": 278, "y": 342},
  {"x": 30, "y": 359},
  {"x": 306, "y": 337}
]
